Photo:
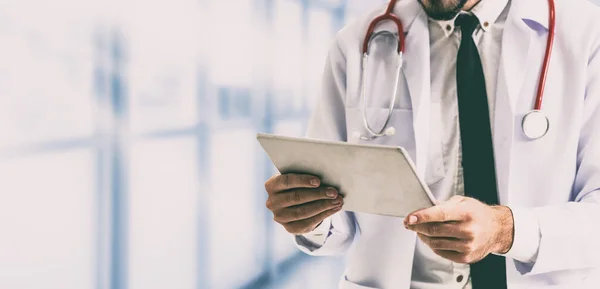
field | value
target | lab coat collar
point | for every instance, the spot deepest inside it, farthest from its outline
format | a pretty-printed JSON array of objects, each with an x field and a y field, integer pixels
[
  {"x": 525, "y": 19},
  {"x": 533, "y": 11},
  {"x": 407, "y": 11},
  {"x": 415, "y": 69}
]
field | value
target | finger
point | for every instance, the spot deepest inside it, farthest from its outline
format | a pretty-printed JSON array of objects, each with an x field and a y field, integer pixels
[
  {"x": 300, "y": 196},
  {"x": 307, "y": 225},
  {"x": 453, "y": 256},
  {"x": 448, "y": 211},
  {"x": 305, "y": 211},
  {"x": 458, "y": 257},
  {"x": 286, "y": 182},
  {"x": 443, "y": 243},
  {"x": 448, "y": 229}
]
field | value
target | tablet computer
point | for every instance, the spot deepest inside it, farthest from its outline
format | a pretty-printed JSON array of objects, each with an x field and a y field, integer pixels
[{"x": 373, "y": 179}]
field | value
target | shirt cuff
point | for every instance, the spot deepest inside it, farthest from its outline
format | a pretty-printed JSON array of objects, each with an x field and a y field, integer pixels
[
  {"x": 527, "y": 236},
  {"x": 316, "y": 238}
]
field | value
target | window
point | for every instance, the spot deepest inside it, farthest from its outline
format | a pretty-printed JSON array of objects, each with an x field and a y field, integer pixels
[
  {"x": 237, "y": 215},
  {"x": 47, "y": 49},
  {"x": 162, "y": 64},
  {"x": 48, "y": 220},
  {"x": 235, "y": 44},
  {"x": 234, "y": 103},
  {"x": 320, "y": 38},
  {"x": 163, "y": 213},
  {"x": 49, "y": 212},
  {"x": 127, "y": 139},
  {"x": 288, "y": 56}
]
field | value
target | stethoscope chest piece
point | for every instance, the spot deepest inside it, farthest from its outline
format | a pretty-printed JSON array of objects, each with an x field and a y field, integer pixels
[{"x": 535, "y": 124}]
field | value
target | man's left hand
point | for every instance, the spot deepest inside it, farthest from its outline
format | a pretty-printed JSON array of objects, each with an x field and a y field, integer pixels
[{"x": 463, "y": 229}]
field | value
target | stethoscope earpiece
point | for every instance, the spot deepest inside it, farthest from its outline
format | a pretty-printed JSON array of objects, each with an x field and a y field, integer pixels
[{"x": 390, "y": 131}]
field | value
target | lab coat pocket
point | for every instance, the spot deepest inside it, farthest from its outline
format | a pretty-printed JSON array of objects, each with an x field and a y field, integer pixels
[
  {"x": 402, "y": 122},
  {"x": 345, "y": 284}
]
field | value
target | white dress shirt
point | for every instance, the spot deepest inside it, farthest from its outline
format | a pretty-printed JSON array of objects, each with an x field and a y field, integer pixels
[{"x": 431, "y": 271}]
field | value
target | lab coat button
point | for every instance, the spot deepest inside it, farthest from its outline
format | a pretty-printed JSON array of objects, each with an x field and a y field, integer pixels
[{"x": 459, "y": 278}]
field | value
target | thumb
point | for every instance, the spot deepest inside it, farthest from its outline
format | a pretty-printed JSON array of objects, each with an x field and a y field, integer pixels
[
  {"x": 446, "y": 211},
  {"x": 454, "y": 200}
]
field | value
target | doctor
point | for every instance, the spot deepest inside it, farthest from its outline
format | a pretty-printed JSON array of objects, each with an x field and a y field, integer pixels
[{"x": 515, "y": 212}]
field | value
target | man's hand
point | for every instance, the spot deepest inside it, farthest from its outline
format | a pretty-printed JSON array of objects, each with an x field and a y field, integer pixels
[
  {"x": 299, "y": 203},
  {"x": 463, "y": 230}
]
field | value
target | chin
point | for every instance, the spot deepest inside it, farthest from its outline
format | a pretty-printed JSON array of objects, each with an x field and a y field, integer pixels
[{"x": 442, "y": 9}]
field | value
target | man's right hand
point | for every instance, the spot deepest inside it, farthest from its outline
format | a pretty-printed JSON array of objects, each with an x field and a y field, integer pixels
[{"x": 299, "y": 203}]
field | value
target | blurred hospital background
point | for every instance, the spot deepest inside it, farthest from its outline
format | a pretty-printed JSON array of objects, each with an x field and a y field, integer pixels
[{"x": 128, "y": 157}]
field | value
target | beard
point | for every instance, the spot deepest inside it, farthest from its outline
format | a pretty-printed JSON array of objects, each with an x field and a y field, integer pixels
[{"x": 442, "y": 9}]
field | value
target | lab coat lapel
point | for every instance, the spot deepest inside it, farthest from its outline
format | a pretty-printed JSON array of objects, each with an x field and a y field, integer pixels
[
  {"x": 516, "y": 48},
  {"x": 416, "y": 70}
]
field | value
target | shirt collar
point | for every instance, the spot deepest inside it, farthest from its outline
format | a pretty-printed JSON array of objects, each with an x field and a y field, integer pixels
[{"x": 486, "y": 11}]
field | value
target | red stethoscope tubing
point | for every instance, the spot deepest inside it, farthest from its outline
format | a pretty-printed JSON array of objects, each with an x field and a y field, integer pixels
[
  {"x": 549, "y": 44},
  {"x": 389, "y": 15}
]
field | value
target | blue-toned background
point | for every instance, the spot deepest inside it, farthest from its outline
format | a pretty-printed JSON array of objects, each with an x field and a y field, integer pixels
[{"x": 128, "y": 157}]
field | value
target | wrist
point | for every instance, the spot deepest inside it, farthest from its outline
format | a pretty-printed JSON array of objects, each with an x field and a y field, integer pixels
[{"x": 505, "y": 229}]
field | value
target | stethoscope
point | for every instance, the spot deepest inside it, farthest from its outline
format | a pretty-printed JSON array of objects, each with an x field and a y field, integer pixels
[{"x": 535, "y": 124}]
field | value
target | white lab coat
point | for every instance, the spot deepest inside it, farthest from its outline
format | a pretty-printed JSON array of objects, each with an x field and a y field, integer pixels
[{"x": 558, "y": 176}]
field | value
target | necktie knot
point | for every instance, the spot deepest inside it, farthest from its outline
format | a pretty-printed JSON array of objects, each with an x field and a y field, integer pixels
[{"x": 467, "y": 23}]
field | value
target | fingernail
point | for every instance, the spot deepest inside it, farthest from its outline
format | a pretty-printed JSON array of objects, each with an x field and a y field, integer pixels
[
  {"x": 330, "y": 192},
  {"x": 412, "y": 220},
  {"x": 335, "y": 202},
  {"x": 314, "y": 182}
]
